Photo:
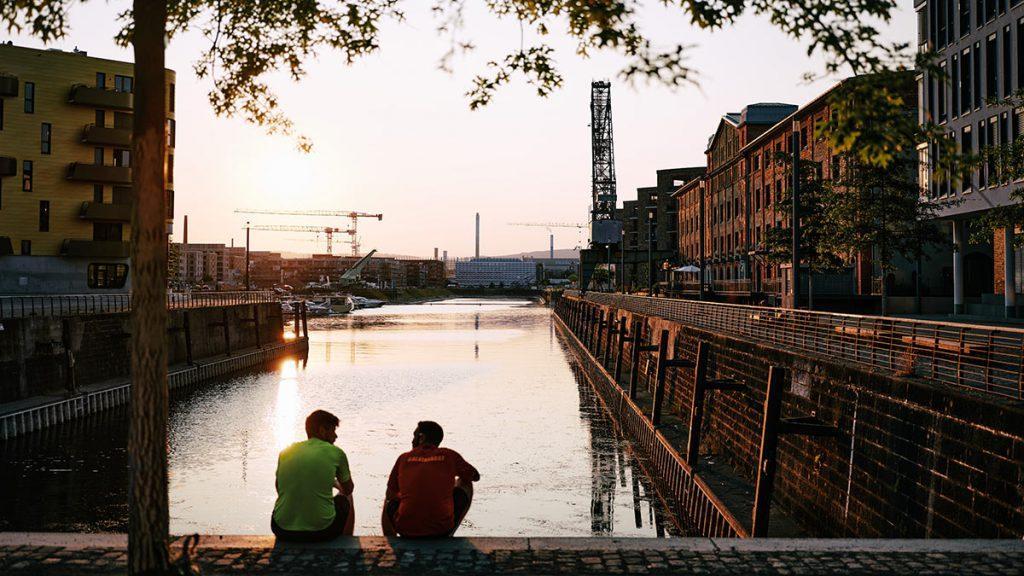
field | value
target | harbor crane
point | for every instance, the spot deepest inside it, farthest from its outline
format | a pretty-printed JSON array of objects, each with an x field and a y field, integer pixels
[
  {"x": 350, "y": 214},
  {"x": 549, "y": 226},
  {"x": 325, "y": 230}
]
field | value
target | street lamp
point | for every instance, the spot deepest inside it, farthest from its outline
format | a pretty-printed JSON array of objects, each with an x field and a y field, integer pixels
[
  {"x": 795, "y": 217},
  {"x": 651, "y": 213},
  {"x": 247, "y": 256}
]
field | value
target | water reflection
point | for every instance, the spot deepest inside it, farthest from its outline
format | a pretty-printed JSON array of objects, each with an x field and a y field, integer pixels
[{"x": 552, "y": 464}]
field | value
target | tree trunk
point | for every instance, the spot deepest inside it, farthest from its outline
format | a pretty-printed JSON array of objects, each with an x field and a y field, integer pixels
[
  {"x": 147, "y": 438},
  {"x": 810, "y": 290}
]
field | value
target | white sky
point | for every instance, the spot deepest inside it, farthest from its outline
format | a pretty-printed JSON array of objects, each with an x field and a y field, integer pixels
[{"x": 393, "y": 134}]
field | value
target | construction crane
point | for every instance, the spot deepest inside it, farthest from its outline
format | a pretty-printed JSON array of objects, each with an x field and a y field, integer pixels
[
  {"x": 350, "y": 214},
  {"x": 326, "y": 230},
  {"x": 549, "y": 226}
]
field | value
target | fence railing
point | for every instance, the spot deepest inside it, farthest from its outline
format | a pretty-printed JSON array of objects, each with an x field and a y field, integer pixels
[
  {"x": 63, "y": 305},
  {"x": 985, "y": 358}
]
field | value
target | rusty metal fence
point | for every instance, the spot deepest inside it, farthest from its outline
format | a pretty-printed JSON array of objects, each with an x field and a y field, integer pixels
[
  {"x": 64, "y": 305},
  {"x": 984, "y": 358}
]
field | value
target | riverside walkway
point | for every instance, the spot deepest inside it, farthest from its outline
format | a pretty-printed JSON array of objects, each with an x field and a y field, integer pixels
[{"x": 46, "y": 554}]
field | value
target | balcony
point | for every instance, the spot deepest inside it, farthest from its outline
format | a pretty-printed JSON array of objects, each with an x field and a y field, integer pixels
[
  {"x": 8, "y": 86},
  {"x": 99, "y": 173},
  {"x": 105, "y": 212},
  {"x": 8, "y": 166},
  {"x": 93, "y": 134},
  {"x": 95, "y": 248},
  {"x": 100, "y": 97}
]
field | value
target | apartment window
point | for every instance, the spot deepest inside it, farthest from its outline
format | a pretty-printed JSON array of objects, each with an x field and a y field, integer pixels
[
  {"x": 979, "y": 12},
  {"x": 982, "y": 143},
  {"x": 170, "y": 97},
  {"x": 45, "y": 138},
  {"x": 991, "y": 68},
  {"x": 965, "y": 17},
  {"x": 939, "y": 16},
  {"x": 950, "y": 21},
  {"x": 26, "y": 176},
  {"x": 954, "y": 86},
  {"x": 941, "y": 94},
  {"x": 101, "y": 80},
  {"x": 990, "y": 142},
  {"x": 1007, "y": 61},
  {"x": 97, "y": 156},
  {"x": 101, "y": 118},
  {"x": 124, "y": 84},
  {"x": 121, "y": 195},
  {"x": 1020, "y": 55},
  {"x": 44, "y": 215},
  {"x": 171, "y": 130},
  {"x": 122, "y": 157},
  {"x": 977, "y": 75},
  {"x": 30, "y": 97},
  {"x": 170, "y": 168},
  {"x": 967, "y": 147},
  {"x": 931, "y": 110},
  {"x": 1004, "y": 136},
  {"x": 123, "y": 120},
  {"x": 107, "y": 275},
  {"x": 965, "y": 82},
  {"x": 990, "y": 10},
  {"x": 107, "y": 231},
  {"x": 26, "y": 247}
]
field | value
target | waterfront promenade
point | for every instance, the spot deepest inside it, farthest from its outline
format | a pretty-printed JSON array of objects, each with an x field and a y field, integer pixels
[{"x": 50, "y": 554}]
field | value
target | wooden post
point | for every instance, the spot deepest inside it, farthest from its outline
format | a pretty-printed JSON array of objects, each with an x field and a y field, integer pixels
[
  {"x": 295, "y": 319},
  {"x": 305, "y": 324},
  {"x": 598, "y": 335},
  {"x": 618, "y": 357},
  {"x": 700, "y": 380},
  {"x": 634, "y": 368},
  {"x": 256, "y": 324},
  {"x": 227, "y": 331},
  {"x": 659, "y": 381},
  {"x": 606, "y": 358},
  {"x": 188, "y": 336},
  {"x": 587, "y": 324},
  {"x": 766, "y": 460}
]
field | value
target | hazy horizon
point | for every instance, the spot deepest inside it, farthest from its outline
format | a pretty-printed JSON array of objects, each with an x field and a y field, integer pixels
[{"x": 393, "y": 134}]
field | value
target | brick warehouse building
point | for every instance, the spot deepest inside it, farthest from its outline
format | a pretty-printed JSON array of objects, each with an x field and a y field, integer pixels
[
  {"x": 732, "y": 208},
  {"x": 978, "y": 46},
  {"x": 65, "y": 170}
]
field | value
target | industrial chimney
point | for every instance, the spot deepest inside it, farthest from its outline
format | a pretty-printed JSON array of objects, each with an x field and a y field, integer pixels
[
  {"x": 185, "y": 239},
  {"x": 551, "y": 251},
  {"x": 435, "y": 253},
  {"x": 477, "y": 234}
]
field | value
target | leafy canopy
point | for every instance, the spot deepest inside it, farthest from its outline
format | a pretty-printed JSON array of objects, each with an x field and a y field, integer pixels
[{"x": 249, "y": 39}]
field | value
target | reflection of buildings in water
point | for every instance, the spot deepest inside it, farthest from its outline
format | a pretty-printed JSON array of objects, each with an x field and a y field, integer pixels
[
  {"x": 352, "y": 351},
  {"x": 245, "y": 454},
  {"x": 327, "y": 352},
  {"x": 611, "y": 461},
  {"x": 476, "y": 344}
]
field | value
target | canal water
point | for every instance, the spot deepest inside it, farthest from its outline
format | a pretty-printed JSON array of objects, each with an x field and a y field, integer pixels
[{"x": 494, "y": 373}]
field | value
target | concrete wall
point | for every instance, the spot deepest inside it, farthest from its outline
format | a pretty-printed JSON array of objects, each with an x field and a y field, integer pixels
[
  {"x": 53, "y": 275},
  {"x": 34, "y": 357},
  {"x": 916, "y": 460}
]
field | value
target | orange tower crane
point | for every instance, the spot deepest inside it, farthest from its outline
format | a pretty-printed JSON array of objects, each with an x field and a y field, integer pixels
[{"x": 326, "y": 230}]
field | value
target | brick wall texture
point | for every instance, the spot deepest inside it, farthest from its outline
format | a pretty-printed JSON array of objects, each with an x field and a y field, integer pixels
[{"x": 915, "y": 460}]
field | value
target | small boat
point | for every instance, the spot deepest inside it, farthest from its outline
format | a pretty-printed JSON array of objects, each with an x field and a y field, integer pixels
[
  {"x": 340, "y": 305},
  {"x": 362, "y": 302}
]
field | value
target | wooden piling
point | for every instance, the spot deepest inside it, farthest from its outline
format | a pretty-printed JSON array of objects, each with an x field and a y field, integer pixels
[
  {"x": 766, "y": 460},
  {"x": 618, "y": 357},
  {"x": 256, "y": 324},
  {"x": 700, "y": 380},
  {"x": 659, "y": 380},
  {"x": 227, "y": 331},
  {"x": 634, "y": 368},
  {"x": 609, "y": 332},
  {"x": 187, "y": 320}
]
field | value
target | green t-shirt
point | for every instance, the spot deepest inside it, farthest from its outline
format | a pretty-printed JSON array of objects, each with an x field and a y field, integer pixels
[{"x": 305, "y": 480}]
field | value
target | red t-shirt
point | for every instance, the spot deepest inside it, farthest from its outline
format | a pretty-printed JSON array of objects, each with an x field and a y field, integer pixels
[{"x": 423, "y": 479}]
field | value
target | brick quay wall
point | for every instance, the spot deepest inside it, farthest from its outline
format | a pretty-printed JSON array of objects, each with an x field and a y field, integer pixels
[
  {"x": 912, "y": 458},
  {"x": 42, "y": 355}
]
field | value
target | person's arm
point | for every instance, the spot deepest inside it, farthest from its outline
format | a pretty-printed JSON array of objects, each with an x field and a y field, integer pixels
[
  {"x": 465, "y": 470},
  {"x": 392, "y": 490},
  {"x": 343, "y": 480}
]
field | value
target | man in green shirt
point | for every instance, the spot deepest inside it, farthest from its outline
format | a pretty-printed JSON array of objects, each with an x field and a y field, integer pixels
[{"x": 307, "y": 472}]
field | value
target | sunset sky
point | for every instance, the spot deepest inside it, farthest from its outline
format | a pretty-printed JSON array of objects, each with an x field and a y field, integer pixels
[{"x": 393, "y": 134}]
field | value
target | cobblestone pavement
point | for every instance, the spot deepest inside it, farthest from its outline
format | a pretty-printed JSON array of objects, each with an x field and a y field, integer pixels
[{"x": 46, "y": 554}]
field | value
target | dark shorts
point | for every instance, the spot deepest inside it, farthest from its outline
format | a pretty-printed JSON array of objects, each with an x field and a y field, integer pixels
[
  {"x": 341, "y": 512},
  {"x": 461, "y": 500}
]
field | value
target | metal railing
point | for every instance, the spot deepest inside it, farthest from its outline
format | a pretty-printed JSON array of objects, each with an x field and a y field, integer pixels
[
  {"x": 985, "y": 358},
  {"x": 63, "y": 305}
]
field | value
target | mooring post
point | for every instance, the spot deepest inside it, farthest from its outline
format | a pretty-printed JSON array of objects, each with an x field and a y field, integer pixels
[
  {"x": 188, "y": 337},
  {"x": 227, "y": 331},
  {"x": 598, "y": 334},
  {"x": 606, "y": 358},
  {"x": 659, "y": 380},
  {"x": 634, "y": 369},
  {"x": 700, "y": 379},
  {"x": 295, "y": 319},
  {"x": 766, "y": 460},
  {"x": 622, "y": 344},
  {"x": 305, "y": 321},
  {"x": 588, "y": 328},
  {"x": 256, "y": 324}
]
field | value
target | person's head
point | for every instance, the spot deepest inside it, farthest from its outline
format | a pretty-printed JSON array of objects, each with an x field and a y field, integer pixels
[
  {"x": 427, "y": 434},
  {"x": 323, "y": 425}
]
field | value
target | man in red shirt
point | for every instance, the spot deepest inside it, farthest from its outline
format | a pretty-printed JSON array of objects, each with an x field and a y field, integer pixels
[{"x": 430, "y": 488}]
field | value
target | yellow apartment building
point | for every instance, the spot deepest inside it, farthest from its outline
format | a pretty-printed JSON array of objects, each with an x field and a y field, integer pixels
[{"x": 65, "y": 171}]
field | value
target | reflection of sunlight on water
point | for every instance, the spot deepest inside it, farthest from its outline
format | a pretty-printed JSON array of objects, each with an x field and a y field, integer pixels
[
  {"x": 287, "y": 406},
  {"x": 289, "y": 335}
]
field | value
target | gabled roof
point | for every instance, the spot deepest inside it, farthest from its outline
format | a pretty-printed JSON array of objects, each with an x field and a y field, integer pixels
[{"x": 760, "y": 113}]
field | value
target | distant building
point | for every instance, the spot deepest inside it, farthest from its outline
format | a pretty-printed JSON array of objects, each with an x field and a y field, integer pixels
[
  {"x": 265, "y": 269},
  {"x": 495, "y": 272},
  {"x": 212, "y": 264},
  {"x": 65, "y": 170}
]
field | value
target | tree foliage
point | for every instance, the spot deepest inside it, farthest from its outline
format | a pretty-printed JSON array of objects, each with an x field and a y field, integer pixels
[{"x": 248, "y": 40}]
